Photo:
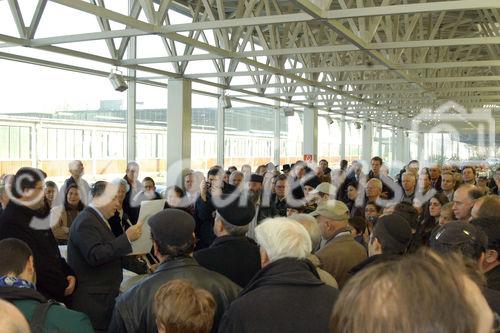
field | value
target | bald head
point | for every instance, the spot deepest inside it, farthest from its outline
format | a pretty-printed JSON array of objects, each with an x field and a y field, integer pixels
[
  {"x": 463, "y": 201},
  {"x": 12, "y": 320},
  {"x": 373, "y": 189}
]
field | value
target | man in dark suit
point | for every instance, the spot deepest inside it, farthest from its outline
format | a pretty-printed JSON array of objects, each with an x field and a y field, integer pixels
[
  {"x": 232, "y": 254},
  {"x": 96, "y": 255},
  {"x": 26, "y": 218}
]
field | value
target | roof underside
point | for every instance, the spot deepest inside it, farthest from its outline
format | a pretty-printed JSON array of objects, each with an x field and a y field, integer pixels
[{"x": 374, "y": 59}]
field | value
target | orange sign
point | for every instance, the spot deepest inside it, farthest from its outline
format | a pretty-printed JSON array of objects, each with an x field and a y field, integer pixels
[{"x": 308, "y": 158}]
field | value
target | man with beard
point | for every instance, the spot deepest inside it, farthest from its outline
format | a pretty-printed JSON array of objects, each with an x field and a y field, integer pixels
[
  {"x": 26, "y": 218},
  {"x": 255, "y": 194}
]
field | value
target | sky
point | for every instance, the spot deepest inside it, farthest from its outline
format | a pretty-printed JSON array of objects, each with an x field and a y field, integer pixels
[{"x": 32, "y": 88}]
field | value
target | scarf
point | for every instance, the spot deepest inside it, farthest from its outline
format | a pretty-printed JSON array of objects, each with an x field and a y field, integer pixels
[{"x": 12, "y": 281}]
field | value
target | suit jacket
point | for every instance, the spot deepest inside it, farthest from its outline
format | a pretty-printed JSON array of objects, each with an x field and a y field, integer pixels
[
  {"x": 339, "y": 255},
  {"x": 96, "y": 256},
  {"x": 237, "y": 258}
]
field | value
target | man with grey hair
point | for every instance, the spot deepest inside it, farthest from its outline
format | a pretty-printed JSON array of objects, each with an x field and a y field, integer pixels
[
  {"x": 373, "y": 189},
  {"x": 408, "y": 183},
  {"x": 463, "y": 201},
  {"x": 135, "y": 186},
  {"x": 76, "y": 169},
  {"x": 309, "y": 222},
  {"x": 286, "y": 295},
  {"x": 236, "y": 178},
  {"x": 95, "y": 254},
  {"x": 231, "y": 253}
]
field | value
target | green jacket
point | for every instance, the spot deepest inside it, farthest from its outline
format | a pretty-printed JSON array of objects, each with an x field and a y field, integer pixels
[{"x": 58, "y": 319}]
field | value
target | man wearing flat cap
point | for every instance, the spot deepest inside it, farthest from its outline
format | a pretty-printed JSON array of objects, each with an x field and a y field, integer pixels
[
  {"x": 389, "y": 241},
  {"x": 172, "y": 232},
  {"x": 339, "y": 251},
  {"x": 232, "y": 254}
]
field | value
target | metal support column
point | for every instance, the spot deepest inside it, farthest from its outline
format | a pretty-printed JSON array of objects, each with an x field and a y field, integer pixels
[
  {"x": 421, "y": 142},
  {"x": 220, "y": 130},
  {"x": 131, "y": 98},
  {"x": 342, "y": 138},
  {"x": 277, "y": 134},
  {"x": 366, "y": 150},
  {"x": 310, "y": 134},
  {"x": 179, "y": 129}
]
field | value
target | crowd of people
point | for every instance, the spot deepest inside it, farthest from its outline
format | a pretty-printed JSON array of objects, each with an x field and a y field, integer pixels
[{"x": 291, "y": 248}]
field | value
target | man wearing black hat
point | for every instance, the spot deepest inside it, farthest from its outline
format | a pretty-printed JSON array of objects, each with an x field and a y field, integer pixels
[
  {"x": 286, "y": 169},
  {"x": 172, "y": 231},
  {"x": 389, "y": 240},
  {"x": 470, "y": 241},
  {"x": 232, "y": 254},
  {"x": 256, "y": 196}
]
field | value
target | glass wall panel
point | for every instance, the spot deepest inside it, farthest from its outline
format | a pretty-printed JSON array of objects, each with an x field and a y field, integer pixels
[
  {"x": 329, "y": 137},
  {"x": 292, "y": 138},
  {"x": 203, "y": 132},
  {"x": 354, "y": 141},
  {"x": 249, "y": 135},
  {"x": 68, "y": 115},
  {"x": 151, "y": 132}
]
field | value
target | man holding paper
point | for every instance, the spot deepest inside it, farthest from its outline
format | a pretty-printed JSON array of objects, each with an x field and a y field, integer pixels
[{"x": 96, "y": 255}]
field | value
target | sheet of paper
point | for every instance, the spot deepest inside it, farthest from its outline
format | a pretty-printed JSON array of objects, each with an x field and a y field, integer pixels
[{"x": 148, "y": 208}]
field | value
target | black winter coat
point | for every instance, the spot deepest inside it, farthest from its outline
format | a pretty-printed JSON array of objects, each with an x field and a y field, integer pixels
[
  {"x": 134, "y": 309},
  {"x": 204, "y": 214},
  {"x": 237, "y": 258},
  {"x": 286, "y": 296},
  {"x": 51, "y": 269}
]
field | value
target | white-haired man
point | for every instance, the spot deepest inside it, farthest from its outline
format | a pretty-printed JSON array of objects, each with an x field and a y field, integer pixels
[
  {"x": 373, "y": 189},
  {"x": 76, "y": 169},
  {"x": 286, "y": 295}
]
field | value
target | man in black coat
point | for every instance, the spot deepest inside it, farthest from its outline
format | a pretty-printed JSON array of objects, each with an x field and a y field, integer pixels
[
  {"x": 232, "y": 254},
  {"x": 96, "y": 255},
  {"x": 172, "y": 231},
  {"x": 26, "y": 218},
  {"x": 286, "y": 295},
  {"x": 204, "y": 207}
]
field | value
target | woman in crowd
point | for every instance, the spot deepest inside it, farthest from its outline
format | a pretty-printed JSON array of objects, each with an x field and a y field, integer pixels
[
  {"x": 352, "y": 195},
  {"x": 176, "y": 198},
  {"x": 66, "y": 214},
  {"x": 372, "y": 213},
  {"x": 432, "y": 219},
  {"x": 50, "y": 191}
]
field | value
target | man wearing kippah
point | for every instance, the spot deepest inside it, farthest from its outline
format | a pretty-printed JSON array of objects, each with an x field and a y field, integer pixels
[
  {"x": 390, "y": 239},
  {"x": 232, "y": 254},
  {"x": 338, "y": 252},
  {"x": 172, "y": 231}
]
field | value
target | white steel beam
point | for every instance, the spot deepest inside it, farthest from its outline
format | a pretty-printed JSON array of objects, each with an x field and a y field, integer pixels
[
  {"x": 18, "y": 17},
  {"x": 133, "y": 23},
  {"x": 327, "y": 49},
  {"x": 37, "y": 16}
]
